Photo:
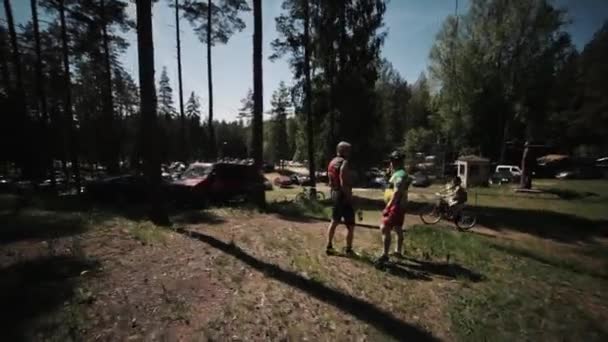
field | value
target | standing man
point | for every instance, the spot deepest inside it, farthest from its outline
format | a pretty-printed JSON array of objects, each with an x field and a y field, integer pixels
[
  {"x": 341, "y": 196},
  {"x": 393, "y": 215}
]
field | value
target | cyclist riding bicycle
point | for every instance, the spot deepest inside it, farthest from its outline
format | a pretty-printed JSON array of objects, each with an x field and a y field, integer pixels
[{"x": 455, "y": 196}]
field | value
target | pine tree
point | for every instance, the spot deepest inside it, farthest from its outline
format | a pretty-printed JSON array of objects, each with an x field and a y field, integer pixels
[
  {"x": 257, "y": 124},
  {"x": 193, "y": 107},
  {"x": 165, "y": 96},
  {"x": 280, "y": 102},
  {"x": 246, "y": 110},
  {"x": 145, "y": 49},
  {"x": 214, "y": 23}
]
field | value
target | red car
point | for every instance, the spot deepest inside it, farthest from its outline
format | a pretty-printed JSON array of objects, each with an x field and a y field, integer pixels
[
  {"x": 219, "y": 182},
  {"x": 283, "y": 181}
]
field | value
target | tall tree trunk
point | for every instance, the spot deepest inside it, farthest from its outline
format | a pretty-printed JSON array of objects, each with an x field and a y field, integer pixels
[
  {"x": 308, "y": 98},
  {"x": 16, "y": 56},
  {"x": 39, "y": 74},
  {"x": 212, "y": 145},
  {"x": 112, "y": 150},
  {"x": 505, "y": 138},
  {"x": 525, "y": 182},
  {"x": 41, "y": 95},
  {"x": 184, "y": 154},
  {"x": 22, "y": 155},
  {"x": 149, "y": 124},
  {"x": 67, "y": 84},
  {"x": 258, "y": 98},
  {"x": 6, "y": 79}
]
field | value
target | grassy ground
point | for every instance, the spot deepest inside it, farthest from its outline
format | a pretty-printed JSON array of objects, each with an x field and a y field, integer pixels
[
  {"x": 457, "y": 286},
  {"x": 535, "y": 269},
  {"x": 565, "y": 210}
]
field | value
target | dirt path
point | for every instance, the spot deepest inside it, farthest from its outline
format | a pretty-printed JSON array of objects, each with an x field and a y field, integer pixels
[{"x": 227, "y": 275}]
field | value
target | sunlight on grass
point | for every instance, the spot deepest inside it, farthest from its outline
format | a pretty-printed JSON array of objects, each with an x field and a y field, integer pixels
[{"x": 148, "y": 233}]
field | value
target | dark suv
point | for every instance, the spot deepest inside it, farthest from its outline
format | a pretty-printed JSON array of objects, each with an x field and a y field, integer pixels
[{"x": 205, "y": 182}]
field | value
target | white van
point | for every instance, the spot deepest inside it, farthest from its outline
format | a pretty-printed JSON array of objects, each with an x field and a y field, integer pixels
[{"x": 514, "y": 170}]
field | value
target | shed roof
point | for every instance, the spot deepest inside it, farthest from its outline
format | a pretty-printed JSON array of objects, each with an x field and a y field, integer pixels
[{"x": 473, "y": 158}]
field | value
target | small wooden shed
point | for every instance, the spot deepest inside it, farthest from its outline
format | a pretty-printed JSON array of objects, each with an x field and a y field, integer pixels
[{"x": 473, "y": 170}]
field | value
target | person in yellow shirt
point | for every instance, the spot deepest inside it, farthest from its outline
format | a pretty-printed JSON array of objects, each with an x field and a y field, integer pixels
[{"x": 393, "y": 215}]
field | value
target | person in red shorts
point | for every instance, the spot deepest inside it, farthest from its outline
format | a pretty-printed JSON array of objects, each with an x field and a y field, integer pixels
[{"x": 393, "y": 215}]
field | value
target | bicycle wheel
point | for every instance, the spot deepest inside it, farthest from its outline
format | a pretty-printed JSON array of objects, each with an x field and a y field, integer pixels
[
  {"x": 320, "y": 196},
  {"x": 301, "y": 197},
  {"x": 466, "y": 220},
  {"x": 430, "y": 214}
]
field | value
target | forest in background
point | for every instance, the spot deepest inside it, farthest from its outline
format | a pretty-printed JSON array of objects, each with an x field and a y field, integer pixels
[{"x": 500, "y": 74}]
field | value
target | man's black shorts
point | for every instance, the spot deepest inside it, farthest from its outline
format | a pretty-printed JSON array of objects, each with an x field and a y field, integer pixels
[{"x": 342, "y": 209}]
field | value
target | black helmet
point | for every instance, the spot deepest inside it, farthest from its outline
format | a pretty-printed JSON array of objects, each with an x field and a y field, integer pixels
[{"x": 396, "y": 156}]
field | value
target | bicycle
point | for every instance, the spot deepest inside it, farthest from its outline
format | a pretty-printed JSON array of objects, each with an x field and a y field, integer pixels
[
  {"x": 433, "y": 213},
  {"x": 304, "y": 195}
]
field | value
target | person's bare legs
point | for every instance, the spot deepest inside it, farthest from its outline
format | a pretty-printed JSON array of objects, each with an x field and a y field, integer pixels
[
  {"x": 399, "y": 231},
  {"x": 386, "y": 239},
  {"x": 350, "y": 234},
  {"x": 331, "y": 231}
]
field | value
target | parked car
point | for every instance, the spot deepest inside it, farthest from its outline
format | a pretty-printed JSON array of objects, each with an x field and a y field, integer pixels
[
  {"x": 303, "y": 180},
  {"x": 420, "y": 180},
  {"x": 283, "y": 181},
  {"x": 268, "y": 167},
  {"x": 322, "y": 177},
  {"x": 267, "y": 184},
  {"x": 503, "y": 176},
  {"x": 377, "y": 183},
  {"x": 513, "y": 169},
  {"x": 580, "y": 173},
  {"x": 125, "y": 187},
  {"x": 217, "y": 182},
  {"x": 5, "y": 184}
]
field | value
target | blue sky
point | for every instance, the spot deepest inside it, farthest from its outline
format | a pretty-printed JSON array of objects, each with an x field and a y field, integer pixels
[{"x": 411, "y": 25}]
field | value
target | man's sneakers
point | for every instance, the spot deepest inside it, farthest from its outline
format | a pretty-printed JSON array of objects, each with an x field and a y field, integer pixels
[
  {"x": 349, "y": 252},
  {"x": 329, "y": 250},
  {"x": 397, "y": 255},
  {"x": 381, "y": 260}
]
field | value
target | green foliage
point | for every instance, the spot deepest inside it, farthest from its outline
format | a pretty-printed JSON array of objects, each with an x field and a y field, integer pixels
[
  {"x": 493, "y": 67},
  {"x": 419, "y": 105},
  {"x": 419, "y": 140},
  {"x": 195, "y": 132},
  {"x": 165, "y": 96},
  {"x": 394, "y": 101},
  {"x": 280, "y": 102},
  {"x": 225, "y": 20},
  {"x": 346, "y": 38},
  {"x": 231, "y": 139},
  {"x": 193, "y": 107},
  {"x": 579, "y": 119},
  {"x": 246, "y": 110}
]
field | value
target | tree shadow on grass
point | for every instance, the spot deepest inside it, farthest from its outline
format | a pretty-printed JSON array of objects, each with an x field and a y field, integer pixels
[
  {"x": 554, "y": 262},
  {"x": 389, "y": 267},
  {"x": 57, "y": 207},
  {"x": 359, "y": 308},
  {"x": 570, "y": 194},
  {"x": 449, "y": 270},
  {"x": 35, "y": 225},
  {"x": 196, "y": 217},
  {"x": 417, "y": 269},
  {"x": 546, "y": 224},
  {"x": 542, "y": 223},
  {"x": 32, "y": 289},
  {"x": 297, "y": 212}
]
